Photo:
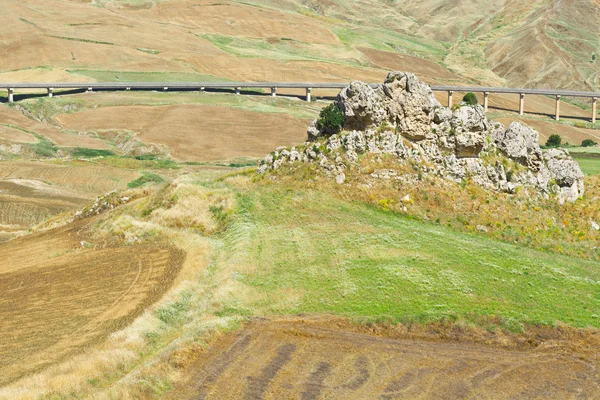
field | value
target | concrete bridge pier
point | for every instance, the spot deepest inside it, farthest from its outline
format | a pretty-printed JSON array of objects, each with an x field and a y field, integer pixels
[
  {"x": 273, "y": 91},
  {"x": 11, "y": 95},
  {"x": 165, "y": 88},
  {"x": 308, "y": 90},
  {"x": 486, "y": 96},
  {"x": 89, "y": 90},
  {"x": 557, "y": 111},
  {"x": 50, "y": 92},
  {"x": 449, "y": 98},
  {"x": 521, "y": 103},
  {"x": 238, "y": 90},
  {"x": 594, "y": 110}
]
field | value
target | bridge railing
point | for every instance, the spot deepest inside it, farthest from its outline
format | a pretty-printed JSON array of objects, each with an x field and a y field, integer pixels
[{"x": 307, "y": 86}]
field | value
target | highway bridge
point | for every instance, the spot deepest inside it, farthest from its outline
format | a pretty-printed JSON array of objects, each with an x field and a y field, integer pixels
[{"x": 237, "y": 87}]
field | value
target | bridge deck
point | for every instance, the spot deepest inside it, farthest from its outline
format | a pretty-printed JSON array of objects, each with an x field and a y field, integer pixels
[{"x": 282, "y": 85}]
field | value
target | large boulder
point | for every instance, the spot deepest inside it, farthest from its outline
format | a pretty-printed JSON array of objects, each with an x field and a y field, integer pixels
[
  {"x": 410, "y": 104},
  {"x": 520, "y": 143},
  {"x": 566, "y": 174},
  {"x": 470, "y": 126},
  {"x": 362, "y": 106}
]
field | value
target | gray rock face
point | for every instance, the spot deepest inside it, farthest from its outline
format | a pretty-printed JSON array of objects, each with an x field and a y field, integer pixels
[
  {"x": 402, "y": 118},
  {"x": 566, "y": 173},
  {"x": 411, "y": 102},
  {"x": 361, "y": 105},
  {"x": 520, "y": 143},
  {"x": 312, "y": 131}
]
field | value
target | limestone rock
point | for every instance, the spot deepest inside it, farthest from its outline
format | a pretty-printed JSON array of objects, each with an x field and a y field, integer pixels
[
  {"x": 520, "y": 143},
  {"x": 361, "y": 105},
  {"x": 401, "y": 119},
  {"x": 313, "y": 131},
  {"x": 566, "y": 173},
  {"x": 412, "y": 102}
]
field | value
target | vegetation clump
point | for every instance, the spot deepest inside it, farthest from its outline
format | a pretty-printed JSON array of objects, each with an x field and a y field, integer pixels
[
  {"x": 554, "y": 141},
  {"x": 331, "y": 120},
  {"x": 470, "y": 99},
  {"x": 147, "y": 177},
  {"x": 588, "y": 143}
]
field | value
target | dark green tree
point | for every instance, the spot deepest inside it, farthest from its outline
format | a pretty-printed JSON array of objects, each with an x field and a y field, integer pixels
[
  {"x": 331, "y": 120},
  {"x": 470, "y": 99},
  {"x": 554, "y": 141},
  {"x": 588, "y": 143}
]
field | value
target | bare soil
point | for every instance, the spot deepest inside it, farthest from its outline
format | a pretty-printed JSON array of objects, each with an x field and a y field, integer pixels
[
  {"x": 193, "y": 132},
  {"x": 14, "y": 117},
  {"x": 325, "y": 359},
  {"x": 60, "y": 297}
]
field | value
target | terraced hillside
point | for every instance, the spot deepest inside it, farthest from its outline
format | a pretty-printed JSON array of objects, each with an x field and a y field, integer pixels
[{"x": 545, "y": 43}]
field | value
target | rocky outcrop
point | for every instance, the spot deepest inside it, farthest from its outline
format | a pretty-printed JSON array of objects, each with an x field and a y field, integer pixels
[{"x": 401, "y": 117}]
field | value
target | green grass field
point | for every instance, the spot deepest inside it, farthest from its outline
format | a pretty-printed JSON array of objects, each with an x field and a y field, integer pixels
[
  {"x": 588, "y": 159},
  {"x": 292, "y": 251}
]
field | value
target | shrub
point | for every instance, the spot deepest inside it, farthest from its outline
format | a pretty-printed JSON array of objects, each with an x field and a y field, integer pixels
[
  {"x": 90, "y": 153},
  {"x": 470, "y": 99},
  {"x": 331, "y": 120},
  {"x": 554, "y": 141},
  {"x": 145, "y": 178},
  {"x": 588, "y": 143}
]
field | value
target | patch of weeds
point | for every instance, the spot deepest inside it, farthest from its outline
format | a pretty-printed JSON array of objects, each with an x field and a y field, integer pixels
[
  {"x": 172, "y": 313},
  {"x": 85, "y": 152},
  {"x": 44, "y": 148},
  {"x": 146, "y": 178},
  {"x": 149, "y": 51}
]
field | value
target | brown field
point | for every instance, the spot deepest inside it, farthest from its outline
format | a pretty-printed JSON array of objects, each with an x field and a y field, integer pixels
[
  {"x": 426, "y": 70},
  {"x": 315, "y": 359},
  {"x": 30, "y": 192},
  {"x": 194, "y": 133},
  {"x": 85, "y": 179},
  {"x": 15, "y": 135},
  {"x": 16, "y": 118},
  {"x": 27, "y": 203},
  {"x": 59, "y": 297}
]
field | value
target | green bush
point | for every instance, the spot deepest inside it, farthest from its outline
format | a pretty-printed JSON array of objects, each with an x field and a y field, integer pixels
[
  {"x": 331, "y": 120},
  {"x": 145, "y": 178},
  {"x": 588, "y": 143},
  {"x": 470, "y": 99},
  {"x": 90, "y": 153},
  {"x": 554, "y": 141}
]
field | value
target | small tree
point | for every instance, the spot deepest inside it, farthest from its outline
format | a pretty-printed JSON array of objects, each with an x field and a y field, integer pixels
[
  {"x": 331, "y": 120},
  {"x": 470, "y": 99},
  {"x": 588, "y": 143},
  {"x": 554, "y": 141}
]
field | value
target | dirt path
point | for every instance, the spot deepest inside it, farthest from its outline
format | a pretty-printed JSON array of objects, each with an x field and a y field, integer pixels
[
  {"x": 311, "y": 360},
  {"x": 59, "y": 297}
]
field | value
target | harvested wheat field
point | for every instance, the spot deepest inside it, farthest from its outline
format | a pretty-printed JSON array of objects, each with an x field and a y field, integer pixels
[
  {"x": 30, "y": 192},
  {"x": 197, "y": 132},
  {"x": 316, "y": 358},
  {"x": 24, "y": 203},
  {"x": 60, "y": 297}
]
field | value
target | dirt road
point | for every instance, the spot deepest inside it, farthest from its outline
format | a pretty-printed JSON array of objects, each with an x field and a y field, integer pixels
[{"x": 310, "y": 360}]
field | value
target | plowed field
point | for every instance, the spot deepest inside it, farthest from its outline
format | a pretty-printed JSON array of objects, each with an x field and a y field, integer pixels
[
  {"x": 60, "y": 297},
  {"x": 310, "y": 360},
  {"x": 193, "y": 133}
]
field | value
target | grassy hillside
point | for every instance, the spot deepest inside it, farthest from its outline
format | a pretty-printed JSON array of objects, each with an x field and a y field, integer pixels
[{"x": 276, "y": 249}]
